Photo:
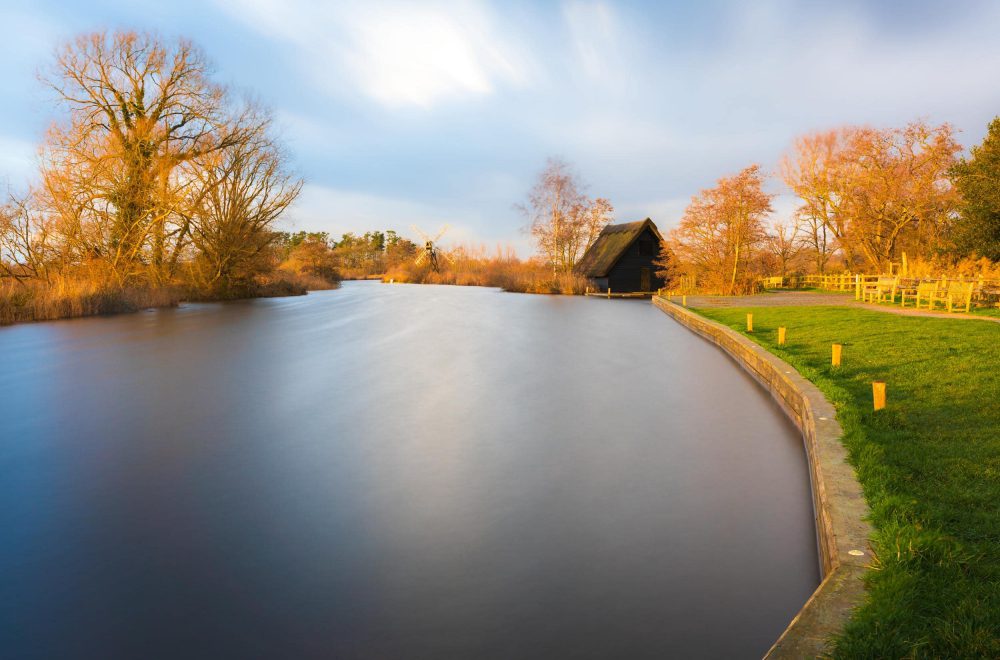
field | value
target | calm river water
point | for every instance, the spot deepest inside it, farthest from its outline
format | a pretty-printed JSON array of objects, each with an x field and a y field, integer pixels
[{"x": 393, "y": 472}]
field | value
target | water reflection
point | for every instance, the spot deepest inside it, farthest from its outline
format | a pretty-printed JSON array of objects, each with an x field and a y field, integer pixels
[{"x": 393, "y": 471}]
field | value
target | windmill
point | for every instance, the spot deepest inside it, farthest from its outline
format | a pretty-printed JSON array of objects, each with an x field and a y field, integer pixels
[{"x": 431, "y": 252}]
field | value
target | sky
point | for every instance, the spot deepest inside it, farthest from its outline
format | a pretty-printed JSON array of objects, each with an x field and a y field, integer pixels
[{"x": 431, "y": 113}]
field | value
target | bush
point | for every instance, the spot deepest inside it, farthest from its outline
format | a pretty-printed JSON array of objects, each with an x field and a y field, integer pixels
[
  {"x": 37, "y": 300},
  {"x": 503, "y": 271}
]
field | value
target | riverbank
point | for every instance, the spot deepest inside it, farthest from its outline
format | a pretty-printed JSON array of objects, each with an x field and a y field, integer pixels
[
  {"x": 928, "y": 465},
  {"x": 33, "y": 301},
  {"x": 839, "y": 508}
]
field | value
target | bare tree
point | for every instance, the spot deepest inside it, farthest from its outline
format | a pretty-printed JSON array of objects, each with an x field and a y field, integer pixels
[
  {"x": 138, "y": 109},
  {"x": 784, "y": 244},
  {"x": 815, "y": 172},
  {"x": 815, "y": 239},
  {"x": 722, "y": 230},
  {"x": 245, "y": 188},
  {"x": 597, "y": 215},
  {"x": 561, "y": 219},
  {"x": 26, "y": 239}
]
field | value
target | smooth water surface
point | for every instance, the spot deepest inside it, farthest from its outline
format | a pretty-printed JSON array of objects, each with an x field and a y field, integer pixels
[{"x": 393, "y": 471}]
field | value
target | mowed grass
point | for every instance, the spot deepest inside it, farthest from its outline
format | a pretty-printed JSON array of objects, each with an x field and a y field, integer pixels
[
  {"x": 987, "y": 311},
  {"x": 929, "y": 465}
]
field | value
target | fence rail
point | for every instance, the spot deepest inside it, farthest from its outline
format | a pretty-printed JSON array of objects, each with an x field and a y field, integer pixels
[
  {"x": 840, "y": 282},
  {"x": 986, "y": 292}
]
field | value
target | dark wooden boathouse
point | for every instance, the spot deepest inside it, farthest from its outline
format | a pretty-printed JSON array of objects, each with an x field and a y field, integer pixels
[{"x": 622, "y": 258}]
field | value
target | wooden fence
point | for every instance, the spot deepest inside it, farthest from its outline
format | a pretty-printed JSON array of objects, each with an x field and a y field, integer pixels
[
  {"x": 840, "y": 282},
  {"x": 986, "y": 292}
]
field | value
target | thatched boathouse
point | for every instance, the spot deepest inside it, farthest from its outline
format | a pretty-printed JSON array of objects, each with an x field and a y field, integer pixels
[{"x": 622, "y": 258}]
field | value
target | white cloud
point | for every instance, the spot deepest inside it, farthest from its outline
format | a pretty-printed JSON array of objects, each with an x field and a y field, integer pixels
[
  {"x": 594, "y": 34},
  {"x": 399, "y": 54},
  {"x": 665, "y": 213}
]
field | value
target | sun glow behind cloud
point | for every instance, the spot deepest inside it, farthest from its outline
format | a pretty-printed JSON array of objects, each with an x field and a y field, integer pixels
[
  {"x": 419, "y": 56},
  {"x": 398, "y": 54}
]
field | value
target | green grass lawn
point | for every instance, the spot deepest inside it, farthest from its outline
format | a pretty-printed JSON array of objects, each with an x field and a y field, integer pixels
[
  {"x": 987, "y": 311},
  {"x": 929, "y": 465}
]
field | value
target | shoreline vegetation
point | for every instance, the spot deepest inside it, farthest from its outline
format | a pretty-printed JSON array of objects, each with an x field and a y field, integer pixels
[
  {"x": 504, "y": 272},
  {"x": 34, "y": 302},
  {"x": 927, "y": 464},
  {"x": 156, "y": 184}
]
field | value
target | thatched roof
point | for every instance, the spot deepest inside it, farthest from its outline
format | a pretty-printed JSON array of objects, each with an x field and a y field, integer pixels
[{"x": 610, "y": 245}]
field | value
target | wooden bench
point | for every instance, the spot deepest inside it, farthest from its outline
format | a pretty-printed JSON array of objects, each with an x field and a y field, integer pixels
[
  {"x": 957, "y": 295},
  {"x": 925, "y": 291},
  {"x": 877, "y": 291}
]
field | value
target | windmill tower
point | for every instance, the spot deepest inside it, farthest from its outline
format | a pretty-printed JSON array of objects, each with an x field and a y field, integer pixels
[{"x": 431, "y": 252}]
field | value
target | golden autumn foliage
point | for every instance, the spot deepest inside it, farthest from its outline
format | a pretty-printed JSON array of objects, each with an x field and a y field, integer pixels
[
  {"x": 561, "y": 219},
  {"x": 155, "y": 178},
  {"x": 721, "y": 232},
  {"x": 475, "y": 266},
  {"x": 878, "y": 192}
]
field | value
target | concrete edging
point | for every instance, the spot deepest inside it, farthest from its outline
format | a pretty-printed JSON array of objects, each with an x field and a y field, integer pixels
[{"x": 839, "y": 507}]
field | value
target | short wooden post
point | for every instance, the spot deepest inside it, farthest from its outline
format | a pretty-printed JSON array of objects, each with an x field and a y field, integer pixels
[
  {"x": 781, "y": 336},
  {"x": 684, "y": 300},
  {"x": 878, "y": 394},
  {"x": 587, "y": 292},
  {"x": 837, "y": 348},
  {"x": 749, "y": 322},
  {"x": 857, "y": 287},
  {"x": 609, "y": 292}
]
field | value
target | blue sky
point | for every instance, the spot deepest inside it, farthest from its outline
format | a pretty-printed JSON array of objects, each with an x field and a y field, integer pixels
[{"x": 400, "y": 113}]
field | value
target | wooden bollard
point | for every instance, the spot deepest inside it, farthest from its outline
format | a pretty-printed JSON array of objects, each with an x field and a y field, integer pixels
[
  {"x": 781, "y": 336},
  {"x": 878, "y": 394},
  {"x": 749, "y": 322},
  {"x": 609, "y": 293},
  {"x": 684, "y": 300},
  {"x": 835, "y": 361}
]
